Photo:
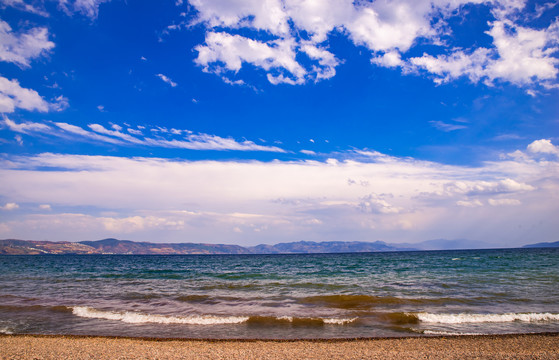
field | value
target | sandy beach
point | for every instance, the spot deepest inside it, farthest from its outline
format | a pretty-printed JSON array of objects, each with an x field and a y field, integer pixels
[{"x": 540, "y": 346}]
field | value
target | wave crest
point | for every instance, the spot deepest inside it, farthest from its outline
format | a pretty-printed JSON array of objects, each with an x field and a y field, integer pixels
[
  {"x": 484, "y": 318},
  {"x": 139, "y": 318}
]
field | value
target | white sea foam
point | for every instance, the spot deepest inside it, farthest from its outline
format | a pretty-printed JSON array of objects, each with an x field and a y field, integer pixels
[
  {"x": 339, "y": 321},
  {"x": 448, "y": 333},
  {"x": 286, "y": 318},
  {"x": 6, "y": 330},
  {"x": 139, "y": 318},
  {"x": 484, "y": 318},
  {"x": 332, "y": 321}
]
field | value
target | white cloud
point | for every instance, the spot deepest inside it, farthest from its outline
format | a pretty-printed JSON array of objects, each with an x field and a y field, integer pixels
[
  {"x": 89, "y": 8},
  {"x": 60, "y": 104},
  {"x": 453, "y": 66},
  {"x": 116, "y": 133},
  {"x": 504, "y": 202},
  {"x": 164, "y": 139},
  {"x": 447, "y": 127},
  {"x": 73, "y": 129},
  {"x": 543, "y": 146},
  {"x": 167, "y": 80},
  {"x": 521, "y": 56},
  {"x": 13, "y": 96},
  {"x": 403, "y": 200},
  {"x": 375, "y": 203},
  {"x": 525, "y": 54},
  {"x": 469, "y": 203},
  {"x": 46, "y": 207},
  {"x": 486, "y": 187},
  {"x": 26, "y": 127},
  {"x": 327, "y": 62},
  {"x": 21, "y": 48},
  {"x": 388, "y": 29},
  {"x": 22, "y": 5},
  {"x": 139, "y": 223},
  {"x": 9, "y": 206},
  {"x": 389, "y": 25},
  {"x": 234, "y": 50},
  {"x": 389, "y": 59},
  {"x": 134, "y": 131},
  {"x": 210, "y": 142},
  {"x": 263, "y": 15}
]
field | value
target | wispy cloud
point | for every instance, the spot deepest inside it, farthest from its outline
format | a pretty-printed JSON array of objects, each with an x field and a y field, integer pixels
[
  {"x": 174, "y": 138},
  {"x": 89, "y": 8},
  {"x": 167, "y": 80},
  {"x": 447, "y": 127},
  {"x": 26, "y": 127}
]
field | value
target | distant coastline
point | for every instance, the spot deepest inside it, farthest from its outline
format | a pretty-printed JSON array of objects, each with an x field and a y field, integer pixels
[{"x": 115, "y": 246}]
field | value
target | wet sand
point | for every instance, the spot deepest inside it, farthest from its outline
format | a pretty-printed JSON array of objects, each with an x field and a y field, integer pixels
[{"x": 530, "y": 346}]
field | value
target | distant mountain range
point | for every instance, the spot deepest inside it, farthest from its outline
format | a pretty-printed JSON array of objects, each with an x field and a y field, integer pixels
[
  {"x": 543, "y": 245},
  {"x": 114, "y": 246}
]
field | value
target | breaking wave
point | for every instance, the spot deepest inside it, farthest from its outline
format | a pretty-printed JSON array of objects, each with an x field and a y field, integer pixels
[
  {"x": 484, "y": 318},
  {"x": 141, "y": 318}
]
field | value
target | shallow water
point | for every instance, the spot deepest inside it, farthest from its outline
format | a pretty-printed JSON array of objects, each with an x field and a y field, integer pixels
[{"x": 282, "y": 296}]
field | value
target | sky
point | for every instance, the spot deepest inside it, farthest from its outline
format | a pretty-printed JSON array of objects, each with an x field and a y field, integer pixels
[{"x": 257, "y": 122}]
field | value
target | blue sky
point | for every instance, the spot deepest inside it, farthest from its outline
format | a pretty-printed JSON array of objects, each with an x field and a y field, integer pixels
[{"x": 261, "y": 122}]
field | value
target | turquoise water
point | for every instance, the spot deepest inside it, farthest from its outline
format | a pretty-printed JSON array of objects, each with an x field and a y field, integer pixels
[{"x": 282, "y": 296}]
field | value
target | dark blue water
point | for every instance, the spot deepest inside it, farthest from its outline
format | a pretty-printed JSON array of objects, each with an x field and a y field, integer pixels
[{"x": 282, "y": 296}]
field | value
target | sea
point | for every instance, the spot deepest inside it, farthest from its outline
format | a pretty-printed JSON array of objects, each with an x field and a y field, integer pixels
[{"x": 318, "y": 296}]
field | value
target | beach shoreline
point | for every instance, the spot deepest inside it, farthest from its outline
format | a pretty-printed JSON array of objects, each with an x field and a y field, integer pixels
[{"x": 507, "y": 346}]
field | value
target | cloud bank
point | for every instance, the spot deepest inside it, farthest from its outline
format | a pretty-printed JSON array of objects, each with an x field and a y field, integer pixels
[{"x": 366, "y": 196}]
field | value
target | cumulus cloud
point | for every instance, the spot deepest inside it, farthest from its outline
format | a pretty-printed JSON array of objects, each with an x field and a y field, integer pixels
[
  {"x": 486, "y": 187},
  {"x": 543, "y": 146},
  {"x": 9, "y": 206},
  {"x": 389, "y": 30},
  {"x": 234, "y": 50},
  {"x": 21, "y": 48},
  {"x": 139, "y": 223},
  {"x": 376, "y": 203},
  {"x": 389, "y": 59},
  {"x": 13, "y": 96},
  {"x": 520, "y": 55}
]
